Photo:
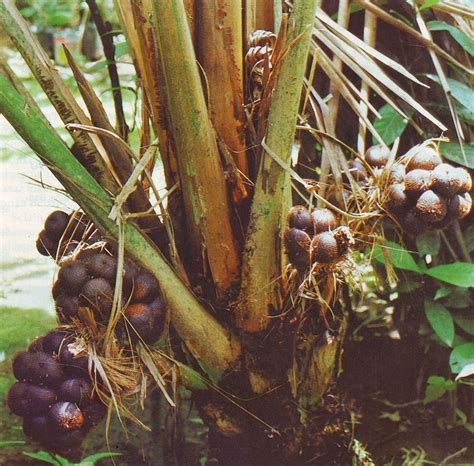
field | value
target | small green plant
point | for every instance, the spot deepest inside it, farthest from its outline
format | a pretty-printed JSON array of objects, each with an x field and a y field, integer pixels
[
  {"x": 58, "y": 460},
  {"x": 447, "y": 305}
]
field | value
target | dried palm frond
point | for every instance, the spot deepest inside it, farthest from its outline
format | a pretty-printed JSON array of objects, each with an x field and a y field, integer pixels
[{"x": 361, "y": 59}]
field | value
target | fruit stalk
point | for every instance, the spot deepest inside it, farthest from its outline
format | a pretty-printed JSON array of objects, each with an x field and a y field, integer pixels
[{"x": 261, "y": 265}]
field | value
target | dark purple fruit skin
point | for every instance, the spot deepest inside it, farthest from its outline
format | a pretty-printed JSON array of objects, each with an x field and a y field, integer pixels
[
  {"x": 145, "y": 288},
  {"x": 25, "y": 399},
  {"x": 77, "y": 390},
  {"x": 97, "y": 293},
  {"x": 146, "y": 320},
  {"x": 53, "y": 340},
  {"x": 324, "y": 248},
  {"x": 77, "y": 227},
  {"x": 66, "y": 416},
  {"x": 102, "y": 265},
  {"x": 94, "y": 414},
  {"x": 46, "y": 245},
  {"x": 36, "y": 345},
  {"x": 65, "y": 442},
  {"x": 39, "y": 368},
  {"x": 130, "y": 273},
  {"x": 46, "y": 371},
  {"x": 37, "y": 427},
  {"x": 299, "y": 217},
  {"x": 56, "y": 223},
  {"x": 21, "y": 365},
  {"x": 67, "y": 306},
  {"x": 57, "y": 290},
  {"x": 74, "y": 365},
  {"x": 72, "y": 277}
]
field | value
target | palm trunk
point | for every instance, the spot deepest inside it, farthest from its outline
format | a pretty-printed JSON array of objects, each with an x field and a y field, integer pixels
[{"x": 262, "y": 375}]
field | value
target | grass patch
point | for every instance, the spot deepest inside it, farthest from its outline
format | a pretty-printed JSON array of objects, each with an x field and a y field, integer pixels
[{"x": 20, "y": 326}]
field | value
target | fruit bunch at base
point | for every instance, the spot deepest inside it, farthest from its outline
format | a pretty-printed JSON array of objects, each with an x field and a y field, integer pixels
[
  {"x": 423, "y": 192},
  {"x": 54, "y": 394},
  {"x": 315, "y": 237}
]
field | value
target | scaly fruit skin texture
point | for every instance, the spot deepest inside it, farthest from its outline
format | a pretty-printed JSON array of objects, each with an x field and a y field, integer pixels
[
  {"x": 88, "y": 272},
  {"x": 425, "y": 193},
  {"x": 55, "y": 393},
  {"x": 319, "y": 244}
]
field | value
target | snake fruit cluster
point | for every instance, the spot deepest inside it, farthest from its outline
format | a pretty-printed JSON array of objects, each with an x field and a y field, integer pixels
[
  {"x": 314, "y": 237},
  {"x": 63, "y": 232},
  {"x": 426, "y": 193},
  {"x": 422, "y": 192},
  {"x": 87, "y": 280},
  {"x": 54, "y": 394}
]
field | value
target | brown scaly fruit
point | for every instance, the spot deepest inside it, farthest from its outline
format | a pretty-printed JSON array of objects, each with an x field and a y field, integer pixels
[
  {"x": 397, "y": 174},
  {"x": 459, "y": 206},
  {"x": 299, "y": 217},
  {"x": 73, "y": 276},
  {"x": 412, "y": 224},
  {"x": 97, "y": 294},
  {"x": 357, "y": 170},
  {"x": 396, "y": 199},
  {"x": 324, "y": 220},
  {"x": 465, "y": 178},
  {"x": 446, "y": 180},
  {"x": 101, "y": 265},
  {"x": 426, "y": 158},
  {"x": 377, "y": 156},
  {"x": 431, "y": 207},
  {"x": 324, "y": 248},
  {"x": 146, "y": 320},
  {"x": 297, "y": 243},
  {"x": 67, "y": 306},
  {"x": 145, "y": 287},
  {"x": 417, "y": 181}
]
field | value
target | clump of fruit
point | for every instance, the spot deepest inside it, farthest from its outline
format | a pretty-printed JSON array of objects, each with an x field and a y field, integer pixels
[
  {"x": 63, "y": 232},
  {"x": 87, "y": 280},
  {"x": 426, "y": 193},
  {"x": 54, "y": 394},
  {"x": 320, "y": 241}
]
